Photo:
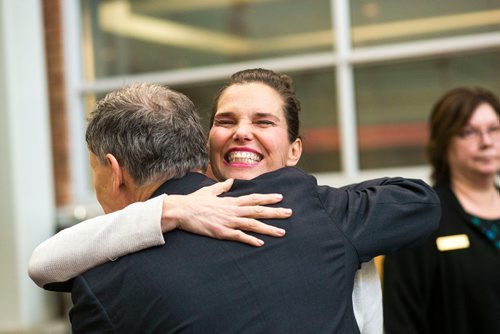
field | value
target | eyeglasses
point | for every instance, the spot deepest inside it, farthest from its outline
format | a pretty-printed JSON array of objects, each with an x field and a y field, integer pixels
[{"x": 474, "y": 135}]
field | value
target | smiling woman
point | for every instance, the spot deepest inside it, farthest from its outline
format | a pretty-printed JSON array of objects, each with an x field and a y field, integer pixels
[{"x": 249, "y": 134}]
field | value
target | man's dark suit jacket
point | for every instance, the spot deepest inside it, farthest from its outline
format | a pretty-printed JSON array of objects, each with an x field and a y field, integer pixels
[{"x": 301, "y": 283}]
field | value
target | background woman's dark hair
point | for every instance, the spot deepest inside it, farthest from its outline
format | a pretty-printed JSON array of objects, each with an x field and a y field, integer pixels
[
  {"x": 449, "y": 116},
  {"x": 281, "y": 83}
]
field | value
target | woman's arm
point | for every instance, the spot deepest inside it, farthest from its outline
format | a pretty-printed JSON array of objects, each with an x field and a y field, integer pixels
[
  {"x": 141, "y": 225},
  {"x": 383, "y": 215},
  {"x": 95, "y": 241}
]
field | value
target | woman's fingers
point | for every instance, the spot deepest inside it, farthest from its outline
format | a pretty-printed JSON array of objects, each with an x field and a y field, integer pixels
[
  {"x": 204, "y": 212},
  {"x": 252, "y": 199},
  {"x": 235, "y": 232},
  {"x": 256, "y": 199},
  {"x": 236, "y": 235},
  {"x": 216, "y": 188},
  {"x": 252, "y": 225},
  {"x": 263, "y": 212}
]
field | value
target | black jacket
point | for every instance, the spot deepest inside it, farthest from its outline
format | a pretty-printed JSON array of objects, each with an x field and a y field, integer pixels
[
  {"x": 301, "y": 283},
  {"x": 428, "y": 291}
]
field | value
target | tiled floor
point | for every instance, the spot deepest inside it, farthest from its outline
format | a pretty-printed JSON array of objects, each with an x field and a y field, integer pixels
[{"x": 53, "y": 327}]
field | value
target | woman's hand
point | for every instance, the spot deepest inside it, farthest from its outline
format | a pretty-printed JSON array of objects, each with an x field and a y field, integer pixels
[{"x": 202, "y": 212}]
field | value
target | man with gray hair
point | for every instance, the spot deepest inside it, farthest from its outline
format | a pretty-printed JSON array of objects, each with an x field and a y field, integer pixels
[
  {"x": 139, "y": 137},
  {"x": 144, "y": 140}
]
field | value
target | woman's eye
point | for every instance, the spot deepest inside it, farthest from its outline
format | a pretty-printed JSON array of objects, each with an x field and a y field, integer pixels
[
  {"x": 265, "y": 122},
  {"x": 222, "y": 122},
  {"x": 494, "y": 130},
  {"x": 468, "y": 133}
]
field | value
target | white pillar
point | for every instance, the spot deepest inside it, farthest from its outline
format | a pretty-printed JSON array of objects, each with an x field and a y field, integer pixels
[
  {"x": 345, "y": 89},
  {"x": 26, "y": 186}
]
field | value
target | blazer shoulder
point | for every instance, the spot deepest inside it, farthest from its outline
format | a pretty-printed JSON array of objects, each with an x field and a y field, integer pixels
[
  {"x": 294, "y": 174},
  {"x": 88, "y": 314}
]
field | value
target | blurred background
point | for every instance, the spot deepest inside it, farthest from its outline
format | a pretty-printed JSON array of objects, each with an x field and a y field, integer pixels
[{"x": 366, "y": 71}]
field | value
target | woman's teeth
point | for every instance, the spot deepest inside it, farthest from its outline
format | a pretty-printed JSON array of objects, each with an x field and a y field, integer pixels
[{"x": 243, "y": 157}]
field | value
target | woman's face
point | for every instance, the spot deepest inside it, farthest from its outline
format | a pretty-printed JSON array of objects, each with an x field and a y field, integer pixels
[
  {"x": 475, "y": 152},
  {"x": 249, "y": 135}
]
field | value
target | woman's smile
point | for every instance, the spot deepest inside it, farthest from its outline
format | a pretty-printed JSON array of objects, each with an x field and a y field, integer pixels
[{"x": 242, "y": 157}]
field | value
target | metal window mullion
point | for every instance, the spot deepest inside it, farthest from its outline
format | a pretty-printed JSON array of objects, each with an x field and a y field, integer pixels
[
  {"x": 347, "y": 58},
  {"x": 212, "y": 72},
  {"x": 425, "y": 48},
  {"x": 345, "y": 89}
]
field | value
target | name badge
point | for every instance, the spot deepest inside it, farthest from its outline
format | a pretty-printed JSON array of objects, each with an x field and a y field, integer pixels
[{"x": 452, "y": 242}]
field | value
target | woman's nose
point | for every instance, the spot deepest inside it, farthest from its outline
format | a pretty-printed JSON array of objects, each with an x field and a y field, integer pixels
[
  {"x": 243, "y": 132},
  {"x": 486, "y": 138}
]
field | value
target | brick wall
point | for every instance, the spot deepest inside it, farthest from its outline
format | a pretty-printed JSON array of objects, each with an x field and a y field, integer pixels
[{"x": 57, "y": 100}]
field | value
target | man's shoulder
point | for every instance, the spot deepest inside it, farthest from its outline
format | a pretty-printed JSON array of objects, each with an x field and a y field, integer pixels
[
  {"x": 294, "y": 184},
  {"x": 286, "y": 177},
  {"x": 187, "y": 184},
  {"x": 293, "y": 172}
]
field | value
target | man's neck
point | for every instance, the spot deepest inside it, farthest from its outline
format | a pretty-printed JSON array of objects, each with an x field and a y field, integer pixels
[{"x": 143, "y": 193}]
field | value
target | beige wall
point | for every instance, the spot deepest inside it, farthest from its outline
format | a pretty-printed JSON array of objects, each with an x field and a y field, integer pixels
[{"x": 26, "y": 184}]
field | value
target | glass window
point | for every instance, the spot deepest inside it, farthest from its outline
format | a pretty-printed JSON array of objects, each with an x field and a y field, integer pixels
[
  {"x": 394, "y": 101},
  {"x": 316, "y": 92},
  {"x": 320, "y": 132},
  {"x": 318, "y": 120},
  {"x": 136, "y": 36},
  {"x": 390, "y": 21}
]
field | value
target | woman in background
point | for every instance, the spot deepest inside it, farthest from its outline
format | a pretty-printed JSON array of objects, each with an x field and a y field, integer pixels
[{"x": 451, "y": 282}]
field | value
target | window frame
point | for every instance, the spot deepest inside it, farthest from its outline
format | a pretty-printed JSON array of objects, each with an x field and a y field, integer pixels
[{"x": 343, "y": 58}]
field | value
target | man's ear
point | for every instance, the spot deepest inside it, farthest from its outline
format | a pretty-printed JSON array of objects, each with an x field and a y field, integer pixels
[
  {"x": 116, "y": 171},
  {"x": 294, "y": 152}
]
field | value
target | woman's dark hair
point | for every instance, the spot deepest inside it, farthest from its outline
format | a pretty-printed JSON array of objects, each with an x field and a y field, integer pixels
[
  {"x": 281, "y": 83},
  {"x": 448, "y": 118}
]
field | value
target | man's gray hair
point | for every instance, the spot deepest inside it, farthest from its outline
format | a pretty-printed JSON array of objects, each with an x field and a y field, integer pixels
[{"x": 154, "y": 132}]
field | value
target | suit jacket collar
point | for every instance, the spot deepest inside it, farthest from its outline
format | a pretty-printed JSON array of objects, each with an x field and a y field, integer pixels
[{"x": 187, "y": 184}]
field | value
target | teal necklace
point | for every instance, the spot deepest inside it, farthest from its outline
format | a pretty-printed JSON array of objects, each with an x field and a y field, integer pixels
[{"x": 490, "y": 228}]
